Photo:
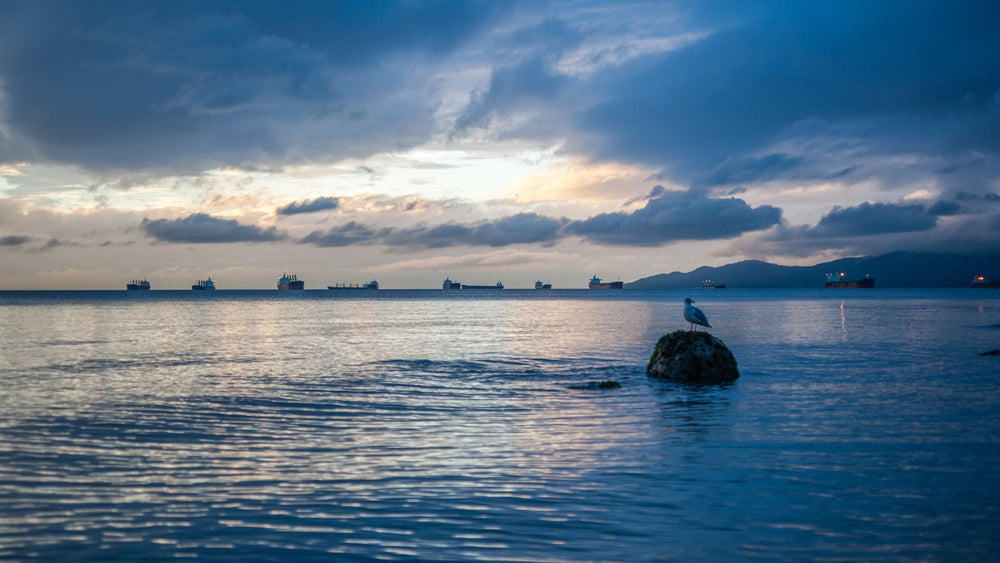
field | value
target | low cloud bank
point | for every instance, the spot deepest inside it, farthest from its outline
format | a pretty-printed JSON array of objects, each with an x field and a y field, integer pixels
[
  {"x": 200, "y": 228},
  {"x": 667, "y": 217},
  {"x": 309, "y": 206}
]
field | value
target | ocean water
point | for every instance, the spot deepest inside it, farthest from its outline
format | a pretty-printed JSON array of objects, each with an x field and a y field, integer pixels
[{"x": 452, "y": 426}]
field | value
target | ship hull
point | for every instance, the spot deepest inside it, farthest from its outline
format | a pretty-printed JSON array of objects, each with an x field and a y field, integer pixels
[
  {"x": 292, "y": 285},
  {"x": 133, "y": 287},
  {"x": 482, "y": 287},
  {"x": 607, "y": 285},
  {"x": 867, "y": 283}
]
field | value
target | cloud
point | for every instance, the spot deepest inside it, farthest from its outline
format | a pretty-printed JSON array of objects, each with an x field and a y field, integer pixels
[
  {"x": 201, "y": 228},
  {"x": 512, "y": 90},
  {"x": 751, "y": 169},
  {"x": 309, "y": 206},
  {"x": 352, "y": 233},
  {"x": 868, "y": 228},
  {"x": 14, "y": 240},
  {"x": 126, "y": 86},
  {"x": 522, "y": 228},
  {"x": 873, "y": 219},
  {"x": 666, "y": 217},
  {"x": 52, "y": 243},
  {"x": 944, "y": 208},
  {"x": 673, "y": 216},
  {"x": 805, "y": 91}
]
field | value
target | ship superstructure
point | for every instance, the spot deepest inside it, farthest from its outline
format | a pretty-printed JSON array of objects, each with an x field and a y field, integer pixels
[{"x": 290, "y": 281}]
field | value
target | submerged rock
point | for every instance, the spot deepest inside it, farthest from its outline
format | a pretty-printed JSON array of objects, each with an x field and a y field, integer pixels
[
  {"x": 692, "y": 356},
  {"x": 604, "y": 384}
]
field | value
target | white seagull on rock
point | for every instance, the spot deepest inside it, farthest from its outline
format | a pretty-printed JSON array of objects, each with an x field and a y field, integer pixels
[{"x": 694, "y": 315}]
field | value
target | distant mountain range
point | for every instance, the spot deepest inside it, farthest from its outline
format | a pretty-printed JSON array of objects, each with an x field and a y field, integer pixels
[{"x": 896, "y": 269}]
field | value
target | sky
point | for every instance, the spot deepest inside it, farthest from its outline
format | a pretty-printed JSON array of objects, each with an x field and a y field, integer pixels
[{"x": 490, "y": 141}]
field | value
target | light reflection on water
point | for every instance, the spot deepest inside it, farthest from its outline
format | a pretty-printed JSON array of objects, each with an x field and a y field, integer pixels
[{"x": 417, "y": 427}]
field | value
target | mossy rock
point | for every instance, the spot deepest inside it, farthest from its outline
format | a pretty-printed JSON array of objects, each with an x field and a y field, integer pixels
[{"x": 696, "y": 357}]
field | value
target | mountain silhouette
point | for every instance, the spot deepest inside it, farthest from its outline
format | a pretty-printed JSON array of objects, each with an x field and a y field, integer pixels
[{"x": 896, "y": 269}]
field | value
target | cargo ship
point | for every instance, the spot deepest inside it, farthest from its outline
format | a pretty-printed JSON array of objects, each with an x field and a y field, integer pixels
[
  {"x": 448, "y": 284},
  {"x": 980, "y": 281},
  {"x": 540, "y": 285},
  {"x": 596, "y": 283},
  {"x": 370, "y": 285},
  {"x": 135, "y": 285},
  {"x": 709, "y": 284},
  {"x": 290, "y": 281},
  {"x": 204, "y": 285},
  {"x": 840, "y": 281}
]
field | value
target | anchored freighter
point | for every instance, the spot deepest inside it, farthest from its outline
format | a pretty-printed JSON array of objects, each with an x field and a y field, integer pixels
[
  {"x": 204, "y": 285},
  {"x": 840, "y": 281},
  {"x": 290, "y": 281},
  {"x": 596, "y": 283}
]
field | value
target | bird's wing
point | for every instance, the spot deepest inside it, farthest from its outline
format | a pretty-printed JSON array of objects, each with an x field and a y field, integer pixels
[{"x": 700, "y": 316}]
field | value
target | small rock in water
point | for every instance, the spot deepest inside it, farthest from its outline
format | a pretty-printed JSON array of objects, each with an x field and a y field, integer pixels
[
  {"x": 697, "y": 357},
  {"x": 605, "y": 384}
]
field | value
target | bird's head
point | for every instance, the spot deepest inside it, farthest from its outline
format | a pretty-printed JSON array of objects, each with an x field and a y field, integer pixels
[{"x": 688, "y": 301}]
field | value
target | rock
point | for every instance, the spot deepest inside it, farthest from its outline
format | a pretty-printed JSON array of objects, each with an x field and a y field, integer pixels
[
  {"x": 991, "y": 353},
  {"x": 603, "y": 384},
  {"x": 697, "y": 357}
]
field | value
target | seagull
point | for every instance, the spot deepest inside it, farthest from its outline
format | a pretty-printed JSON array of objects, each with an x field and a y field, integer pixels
[{"x": 694, "y": 315}]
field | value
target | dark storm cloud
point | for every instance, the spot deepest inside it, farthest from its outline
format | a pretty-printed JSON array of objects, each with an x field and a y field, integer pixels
[
  {"x": 673, "y": 216},
  {"x": 844, "y": 68},
  {"x": 309, "y": 206},
  {"x": 14, "y": 240},
  {"x": 873, "y": 219},
  {"x": 192, "y": 84},
  {"x": 944, "y": 209},
  {"x": 868, "y": 228},
  {"x": 871, "y": 229},
  {"x": 201, "y": 228},
  {"x": 749, "y": 169},
  {"x": 511, "y": 90}
]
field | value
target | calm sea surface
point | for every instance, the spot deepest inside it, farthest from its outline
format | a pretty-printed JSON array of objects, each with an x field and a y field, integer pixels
[{"x": 432, "y": 425}]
